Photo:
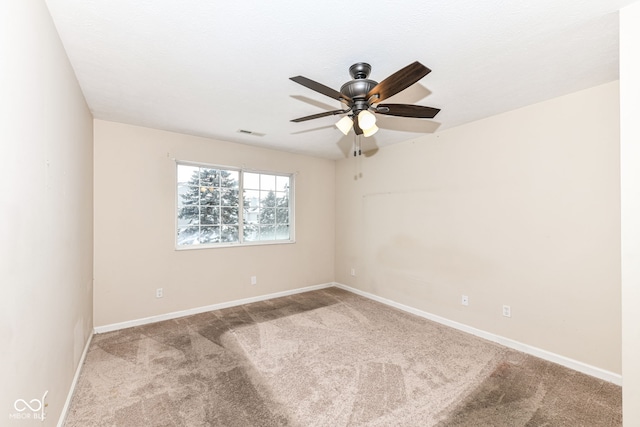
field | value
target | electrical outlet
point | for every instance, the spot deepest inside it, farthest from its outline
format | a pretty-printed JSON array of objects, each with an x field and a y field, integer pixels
[
  {"x": 506, "y": 311},
  {"x": 159, "y": 293},
  {"x": 353, "y": 271},
  {"x": 465, "y": 300},
  {"x": 254, "y": 280}
]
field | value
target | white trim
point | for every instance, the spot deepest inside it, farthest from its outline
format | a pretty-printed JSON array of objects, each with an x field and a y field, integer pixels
[
  {"x": 507, "y": 342},
  {"x": 188, "y": 312},
  {"x": 233, "y": 245},
  {"x": 74, "y": 383}
]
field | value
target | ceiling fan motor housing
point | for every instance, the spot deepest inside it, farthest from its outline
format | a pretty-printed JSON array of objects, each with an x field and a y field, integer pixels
[
  {"x": 360, "y": 70},
  {"x": 359, "y": 87}
]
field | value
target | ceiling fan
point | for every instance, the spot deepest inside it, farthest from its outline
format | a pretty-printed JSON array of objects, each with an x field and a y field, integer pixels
[{"x": 362, "y": 96}]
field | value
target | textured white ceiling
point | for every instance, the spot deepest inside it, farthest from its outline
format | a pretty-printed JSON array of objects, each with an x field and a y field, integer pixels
[{"x": 211, "y": 68}]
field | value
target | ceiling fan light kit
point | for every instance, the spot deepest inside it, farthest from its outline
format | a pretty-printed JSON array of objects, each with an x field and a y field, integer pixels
[
  {"x": 366, "y": 120},
  {"x": 370, "y": 131},
  {"x": 345, "y": 124},
  {"x": 363, "y": 96}
]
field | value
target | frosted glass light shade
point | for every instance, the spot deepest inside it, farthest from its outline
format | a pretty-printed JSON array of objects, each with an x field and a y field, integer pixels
[
  {"x": 366, "y": 120},
  {"x": 368, "y": 132},
  {"x": 345, "y": 124}
]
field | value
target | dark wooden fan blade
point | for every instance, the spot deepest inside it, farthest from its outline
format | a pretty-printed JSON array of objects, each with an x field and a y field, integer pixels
[
  {"x": 317, "y": 116},
  {"x": 398, "y": 81},
  {"x": 319, "y": 87},
  {"x": 405, "y": 110}
]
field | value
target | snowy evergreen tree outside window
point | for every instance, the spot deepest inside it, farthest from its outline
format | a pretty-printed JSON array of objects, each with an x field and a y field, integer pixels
[{"x": 209, "y": 206}]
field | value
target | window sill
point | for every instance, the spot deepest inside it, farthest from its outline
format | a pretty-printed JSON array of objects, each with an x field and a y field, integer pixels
[{"x": 234, "y": 245}]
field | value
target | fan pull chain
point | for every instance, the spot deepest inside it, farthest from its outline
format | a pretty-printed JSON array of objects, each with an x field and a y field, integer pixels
[
  {"x": 359, "y": 159},
  {"x": 357, "y": 145},
  {"x": 356, "y": 160}
]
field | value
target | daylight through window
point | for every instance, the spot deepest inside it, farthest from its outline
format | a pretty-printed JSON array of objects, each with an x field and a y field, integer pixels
[{"x": 223, "y": 206}]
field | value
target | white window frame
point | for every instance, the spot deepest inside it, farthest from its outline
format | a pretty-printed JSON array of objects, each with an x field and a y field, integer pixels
[{"x": 240, "y": 241}]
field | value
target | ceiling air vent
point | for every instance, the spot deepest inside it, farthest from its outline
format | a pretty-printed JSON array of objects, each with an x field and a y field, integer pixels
[{"x": 248, "y": 132}]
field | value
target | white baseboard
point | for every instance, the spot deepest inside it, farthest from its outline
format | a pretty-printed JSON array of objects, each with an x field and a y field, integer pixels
[
  {"x": 507, "y": 342},
  {"x": 516, "y": 345},
  {"x": 197, "y": 310},
  {"x": 74, "y": 383}
]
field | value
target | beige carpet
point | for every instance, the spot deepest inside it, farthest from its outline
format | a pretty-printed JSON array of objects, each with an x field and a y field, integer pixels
[{"x": 325, "y": 358}]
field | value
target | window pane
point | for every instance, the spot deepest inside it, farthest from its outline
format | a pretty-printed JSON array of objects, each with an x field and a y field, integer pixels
[
  {"x": 282, "y": 183},
  {"x": 210, "y": 235},
  {"x": 209, "y": 196},
  {"x": 251, "y": 198},
  {"x": 229, "y": 179},
  {"x": 187, "y": 174},
  {"x": 188, "y": 236},
  {"x": 182, "y": 223},
  {"x": 188, "y": 195},
  {"x": 198, "y": 235},
  {"x": 282, "y": 215},
  {"x": 267, "y": 232},
  {"x": 250, "y": 232},
  {"x": 229, "y": 197},
  {"x": 250, "y": 216},
  {"x": 229, "y": 234},
  {"x": 210, "y": 215},
  {"x": 230, "y": 215},
  {"x": 267, "y": 216},
  {"x": 267, "y": 182},
  {"x": 251, "y": 181},
  {"x": 188, "y": 214},
  {"x": 209, "y": 177},
  {"x": 267, "y": 199},
  {"x": 282, "y": 199},
  {"x": 282, "y": 232}
]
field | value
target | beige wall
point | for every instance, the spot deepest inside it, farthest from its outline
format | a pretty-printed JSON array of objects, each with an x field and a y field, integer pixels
[
  {"x": 630, "y": 171},
  {"x": 520, "y": 209},
  {"x": 45, "y": 214},
  {"x": 135, "y": 222}
]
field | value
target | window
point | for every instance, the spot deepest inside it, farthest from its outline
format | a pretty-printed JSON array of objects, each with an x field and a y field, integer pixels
[{"x": 210, "y": 211}]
